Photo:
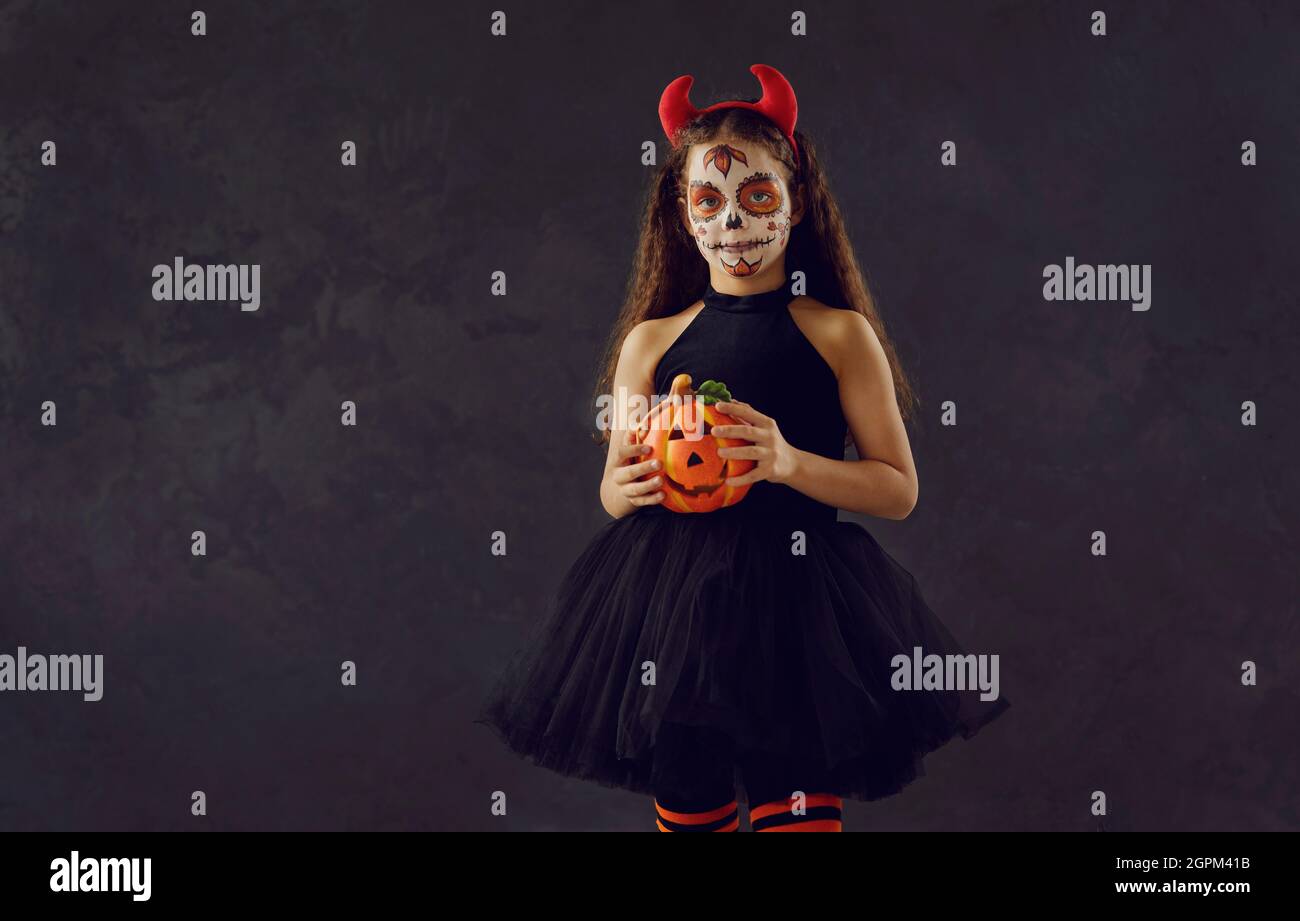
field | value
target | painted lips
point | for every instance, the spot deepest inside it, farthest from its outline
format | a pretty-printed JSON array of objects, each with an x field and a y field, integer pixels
[{"x": 742, "y": 247}]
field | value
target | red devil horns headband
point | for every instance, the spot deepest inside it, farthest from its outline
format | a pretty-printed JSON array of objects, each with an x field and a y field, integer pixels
[{"x": 778, "y": 104}]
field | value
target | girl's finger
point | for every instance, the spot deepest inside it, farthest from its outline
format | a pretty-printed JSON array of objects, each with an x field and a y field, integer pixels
[
  {"x": 641, "y": 488},
  {"x": 747, "y": 432},
  {"x": 762, "y": 419},
  {"x": 653, "y": 499},
  {"x": 633, "y": 450},
  {"x": 747, "y": 452},
  {"x": 630, "y": 472},
  {"x": 743, "y": 411},
  {"x": 758, "y": 473}
]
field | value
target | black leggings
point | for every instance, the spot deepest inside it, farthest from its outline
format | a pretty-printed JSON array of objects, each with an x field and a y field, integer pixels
[{"x": 694, "y": 787}]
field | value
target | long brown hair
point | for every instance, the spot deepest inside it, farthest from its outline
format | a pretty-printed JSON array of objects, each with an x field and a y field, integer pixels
[{"x": 668, "y": 273}]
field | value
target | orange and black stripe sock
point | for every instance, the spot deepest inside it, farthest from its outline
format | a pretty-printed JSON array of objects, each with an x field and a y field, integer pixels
[
  {"x": 815, "y": 812},
  {"x": 723, "y": 818}
]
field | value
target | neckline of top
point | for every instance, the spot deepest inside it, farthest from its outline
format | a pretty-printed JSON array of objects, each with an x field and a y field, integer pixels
[{"x": 757, "y": 302}]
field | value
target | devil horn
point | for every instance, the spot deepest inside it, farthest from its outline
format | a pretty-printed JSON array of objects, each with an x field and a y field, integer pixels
[
  {"x": 675, "y": 108},
  {"x": 778, "y": 102}
]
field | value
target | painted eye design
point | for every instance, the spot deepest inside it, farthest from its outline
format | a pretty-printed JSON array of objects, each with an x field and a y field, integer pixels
[
  {"x": 761, "y": 197},
  {"x": 706, "y": 201}
]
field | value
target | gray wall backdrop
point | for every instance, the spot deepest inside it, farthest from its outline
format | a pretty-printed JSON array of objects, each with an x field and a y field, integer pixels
[{"x": 522, "y": 154}]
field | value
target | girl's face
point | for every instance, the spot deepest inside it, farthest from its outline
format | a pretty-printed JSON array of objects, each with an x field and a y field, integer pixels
[{"x": 738, "y": 207}]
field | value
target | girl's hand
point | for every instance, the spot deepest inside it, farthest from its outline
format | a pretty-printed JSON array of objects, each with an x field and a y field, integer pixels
[
  {"x": 776, "y": 459},
  {"x": 625, "y": 474}
]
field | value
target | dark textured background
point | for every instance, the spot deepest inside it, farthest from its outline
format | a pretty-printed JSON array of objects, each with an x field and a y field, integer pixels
[{"x": 522, "y": 154}]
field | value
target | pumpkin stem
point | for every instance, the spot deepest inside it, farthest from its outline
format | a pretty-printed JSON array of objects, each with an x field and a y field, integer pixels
[{"x": 711, "y": 392}]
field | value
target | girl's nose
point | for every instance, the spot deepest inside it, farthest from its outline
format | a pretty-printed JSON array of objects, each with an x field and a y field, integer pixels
[{"x": 733, "y": 221}]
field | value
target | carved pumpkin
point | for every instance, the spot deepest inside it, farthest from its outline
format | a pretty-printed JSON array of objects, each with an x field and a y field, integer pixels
[{"x": 678, "y": 432}]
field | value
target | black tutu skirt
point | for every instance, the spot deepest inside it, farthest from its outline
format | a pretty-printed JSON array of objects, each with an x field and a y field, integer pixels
[{"x": 710, "y": 620}]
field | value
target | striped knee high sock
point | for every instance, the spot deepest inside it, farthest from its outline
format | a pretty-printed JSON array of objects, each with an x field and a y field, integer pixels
[
  {"x": 724, "y": 818},
  {"x": 821, "y": 812}
]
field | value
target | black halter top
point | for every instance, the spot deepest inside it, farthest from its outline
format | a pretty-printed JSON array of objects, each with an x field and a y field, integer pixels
[{"x": 751, "y": 343}]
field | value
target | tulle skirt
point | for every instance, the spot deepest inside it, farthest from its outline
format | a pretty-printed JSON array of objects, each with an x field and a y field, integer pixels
[{"x": 781, "y": 634}]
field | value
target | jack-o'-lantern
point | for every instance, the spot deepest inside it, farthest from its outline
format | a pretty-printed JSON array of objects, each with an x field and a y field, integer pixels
[{"x": 679, "y": 432}]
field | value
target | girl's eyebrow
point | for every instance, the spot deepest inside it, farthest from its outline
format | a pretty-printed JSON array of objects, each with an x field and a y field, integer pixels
[{"x": 705, "y": 184}]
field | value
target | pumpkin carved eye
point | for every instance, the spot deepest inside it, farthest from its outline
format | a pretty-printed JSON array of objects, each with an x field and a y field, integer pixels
[{"x": 678, "y": 433}]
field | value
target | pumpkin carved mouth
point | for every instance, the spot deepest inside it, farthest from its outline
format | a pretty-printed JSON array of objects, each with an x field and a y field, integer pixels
[{"x": 706, "y": 489}]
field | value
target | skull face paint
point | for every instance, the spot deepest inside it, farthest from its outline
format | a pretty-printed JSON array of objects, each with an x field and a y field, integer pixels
[{"x": 738, "y": 204}]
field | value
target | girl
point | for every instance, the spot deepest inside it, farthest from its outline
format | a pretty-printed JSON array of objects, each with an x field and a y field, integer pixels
[{"x": 765, "y": 651}]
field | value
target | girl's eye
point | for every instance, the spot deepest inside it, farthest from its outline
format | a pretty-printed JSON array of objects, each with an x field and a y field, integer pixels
[
  {"x": 707, "y": 203},
  {"x": 761, "y": 198}
]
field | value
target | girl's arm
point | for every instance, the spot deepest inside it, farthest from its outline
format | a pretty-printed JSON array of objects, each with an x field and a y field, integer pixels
[
  {"x": 619, "y": 494},
  {"x": 884, "y": 482}
]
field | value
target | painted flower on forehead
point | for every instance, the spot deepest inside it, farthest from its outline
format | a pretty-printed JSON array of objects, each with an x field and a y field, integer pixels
[{"x": 720, "y": 157}]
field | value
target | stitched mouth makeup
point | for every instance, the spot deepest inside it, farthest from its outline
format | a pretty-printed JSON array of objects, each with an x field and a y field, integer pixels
[{"x": 742, "y": 246}]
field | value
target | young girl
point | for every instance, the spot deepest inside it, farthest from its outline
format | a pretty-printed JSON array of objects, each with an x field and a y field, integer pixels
[{"x": 764, "y": 651}]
